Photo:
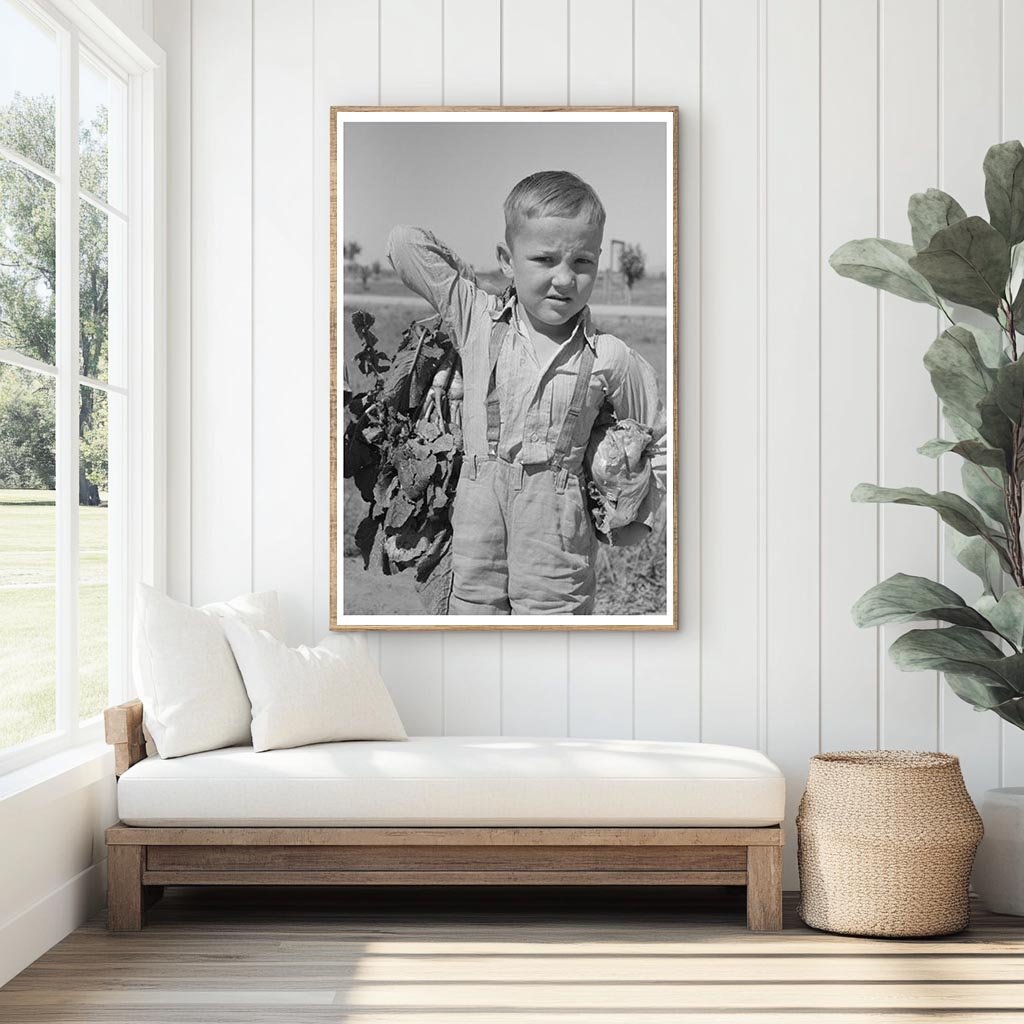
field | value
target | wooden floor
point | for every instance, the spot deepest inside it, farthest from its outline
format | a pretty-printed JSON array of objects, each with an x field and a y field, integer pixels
[{"x": 600, "y": 956}]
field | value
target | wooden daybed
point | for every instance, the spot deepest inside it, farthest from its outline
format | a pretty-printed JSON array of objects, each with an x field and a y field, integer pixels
[{"x": 144, "y": 858}]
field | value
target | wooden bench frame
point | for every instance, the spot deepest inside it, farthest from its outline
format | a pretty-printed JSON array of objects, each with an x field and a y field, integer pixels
[{"x": 142, "y": 860}]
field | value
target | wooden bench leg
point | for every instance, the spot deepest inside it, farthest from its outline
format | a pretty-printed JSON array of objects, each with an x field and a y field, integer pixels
[
  {"x": 125, "y": 897},
  {"x": 764, "y": 888}
]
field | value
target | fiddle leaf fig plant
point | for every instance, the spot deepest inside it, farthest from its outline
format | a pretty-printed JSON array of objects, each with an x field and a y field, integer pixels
[{"x": 978, "y": 375}]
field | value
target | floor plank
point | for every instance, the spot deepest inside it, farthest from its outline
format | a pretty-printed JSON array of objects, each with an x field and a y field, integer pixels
[{"x": 497, "y": 956}]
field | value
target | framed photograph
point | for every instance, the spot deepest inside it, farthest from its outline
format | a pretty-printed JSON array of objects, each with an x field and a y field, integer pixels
[{"x": 504, "y": 384}]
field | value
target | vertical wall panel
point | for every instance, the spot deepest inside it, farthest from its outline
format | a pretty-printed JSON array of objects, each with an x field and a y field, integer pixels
[
  {"x": 472, "y": 684},
  {"x": 412, "y": 665},
  {"x": 729, "y": 387},
  {"x": 1012, "y": 127},
  {"x": 344, "y": 53},
  {"x": 472, "y": 74},
  {"x": 221, "y": 376},
  {"x": 969, "y": 124},
  {"x": 411, "y": 73},
  {"x": 283, "y": 309},
  {"x": 600, "y": 684},
  {"x": 410, "y": 54},
  {"x": 601, "y": 667},
  {"x": 534, "y": 51},
  {"x": 535, "y": 667},
  {"x": 908, "y": 102},
  {"x": 849, "y": 372},
  {"x": 666, "y": 666},
  {"x": 600, "y": 52},
  {"x": 535, "y": 672},
  {"x": 173, "y": 30},
  {"x": 472, "y": 52},
  {"x": 793, "y": 413}
]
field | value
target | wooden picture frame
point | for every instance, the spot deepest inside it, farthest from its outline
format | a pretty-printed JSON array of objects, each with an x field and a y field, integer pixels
[{"x": 630, "y": 155}]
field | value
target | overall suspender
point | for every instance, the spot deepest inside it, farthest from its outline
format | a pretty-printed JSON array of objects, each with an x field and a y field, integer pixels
[
  {"x": 579, "y": 396},
  {"x": 499, "y": 333}
]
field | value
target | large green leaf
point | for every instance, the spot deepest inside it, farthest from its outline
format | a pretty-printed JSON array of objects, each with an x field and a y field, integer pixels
[
  {"x": 962, "y": 651},
  {"x": 973, "y": 451},
  {"x": 883, "y": 264},
  {"x": 932, "y": 211},
  {"x": 976, "y": 555},
  {"x": 1004, "y": 189},
  {"x": 1016, "y": 280},
  {"x": 1015, "y": 287},
  {"x": 1006, "y": 614},
  {"x": 985, "y": 487},
  {"x": 996, "y": 427},
  {"x": 953, "y": 509},
  {"x": 990, "y": 345},
  {"x": 962, "y": 430},
  {"x": 983, "y": 694},
  {"x": 959, "y": 374},
  {"x": 903, "y": 598},
  {"x": 967, "y": 263},
  {"x": 1009, "y": 390}
]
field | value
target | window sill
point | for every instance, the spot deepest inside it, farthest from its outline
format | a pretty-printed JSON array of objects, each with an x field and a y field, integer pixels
[{"x": 55, "y": 776}]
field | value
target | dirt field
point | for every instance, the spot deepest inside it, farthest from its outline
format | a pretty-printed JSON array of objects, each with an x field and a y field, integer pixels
[{"x": 631, "y": 581}]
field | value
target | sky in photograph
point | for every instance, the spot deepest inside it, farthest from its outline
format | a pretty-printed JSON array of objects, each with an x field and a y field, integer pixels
[{"x": 453, "y": 178}]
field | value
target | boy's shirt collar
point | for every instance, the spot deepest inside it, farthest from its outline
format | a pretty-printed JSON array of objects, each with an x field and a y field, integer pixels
[{"x": 510, "y": 310}]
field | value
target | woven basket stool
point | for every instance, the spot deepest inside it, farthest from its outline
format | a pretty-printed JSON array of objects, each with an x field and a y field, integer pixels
[{"x": 885, "y": 843}]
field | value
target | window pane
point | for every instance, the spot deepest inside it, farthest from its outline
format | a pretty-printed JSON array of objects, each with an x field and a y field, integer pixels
[
  {"x": 101, "y": 293},
  {"x": 28, "y": 263},
  {"x": 101, "y": 102},
  {"x": 28, "y": 85},
  {"x": 28, "y": 546},
  {"x": 93, "y": 551}
]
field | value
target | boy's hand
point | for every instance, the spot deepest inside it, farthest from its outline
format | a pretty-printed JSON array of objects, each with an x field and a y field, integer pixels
[{"x": 629, "y": 535}]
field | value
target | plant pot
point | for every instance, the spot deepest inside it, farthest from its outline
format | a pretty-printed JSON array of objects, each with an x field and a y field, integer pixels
[{"x": 999, "y": 868}]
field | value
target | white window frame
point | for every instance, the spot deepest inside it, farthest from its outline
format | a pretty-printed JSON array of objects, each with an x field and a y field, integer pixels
[{"x": 141, "y": 64}]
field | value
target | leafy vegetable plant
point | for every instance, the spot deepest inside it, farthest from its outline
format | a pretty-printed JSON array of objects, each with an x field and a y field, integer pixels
[
  {"x": 978, "y": 374},
  {"x": 403, "y": 447}
]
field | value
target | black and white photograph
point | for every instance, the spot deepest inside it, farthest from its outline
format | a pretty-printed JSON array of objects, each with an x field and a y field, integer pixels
[{"x": 504, "y": 385}]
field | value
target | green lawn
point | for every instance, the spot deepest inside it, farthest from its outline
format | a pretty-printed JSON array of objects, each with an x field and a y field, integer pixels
[{"x": 28, "y": 525}]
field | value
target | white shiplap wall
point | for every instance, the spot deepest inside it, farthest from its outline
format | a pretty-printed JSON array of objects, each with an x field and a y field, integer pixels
[{"x": 803, "y": 123}]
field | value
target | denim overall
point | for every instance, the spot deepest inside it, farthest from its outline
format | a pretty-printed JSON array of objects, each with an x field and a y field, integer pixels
[{"x": 523, "y": 542}]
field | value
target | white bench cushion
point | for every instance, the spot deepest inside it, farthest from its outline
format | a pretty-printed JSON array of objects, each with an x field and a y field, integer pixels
[{"x": 459, "y": 780}]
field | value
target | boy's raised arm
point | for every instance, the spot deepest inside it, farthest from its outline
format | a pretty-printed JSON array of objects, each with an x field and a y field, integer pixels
[{"x": 432, "y": 270}]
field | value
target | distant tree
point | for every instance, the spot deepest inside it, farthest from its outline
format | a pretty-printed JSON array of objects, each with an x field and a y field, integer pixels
[
  {"x": 633, "y": 264},
  {"x": 364, "y": 274},
  {"x": 28, "y": 275},
  {"x": 351, "y": 250},
  {"x": 375, "y": 267},
  {"x": 27, "y": 456}
]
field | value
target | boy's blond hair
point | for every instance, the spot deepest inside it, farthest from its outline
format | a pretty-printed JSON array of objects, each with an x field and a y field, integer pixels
[{"x": 550, "y": 194}]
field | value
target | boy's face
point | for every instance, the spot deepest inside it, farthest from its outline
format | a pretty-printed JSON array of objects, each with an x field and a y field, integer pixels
[{"x": 553, "y": 262}]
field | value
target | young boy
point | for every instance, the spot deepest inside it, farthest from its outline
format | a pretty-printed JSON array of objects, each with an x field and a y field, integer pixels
[{"x": 536, "y": 374}]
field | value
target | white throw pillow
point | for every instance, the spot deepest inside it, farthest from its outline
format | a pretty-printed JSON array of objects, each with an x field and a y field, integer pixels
[
  {"x": 309, "y": 694},
  {"x": 192, "y": 693}
]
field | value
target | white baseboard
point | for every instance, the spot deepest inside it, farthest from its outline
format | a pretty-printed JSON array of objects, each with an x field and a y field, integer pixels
[{"x": 28, "y": 936}]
